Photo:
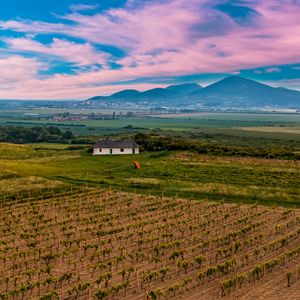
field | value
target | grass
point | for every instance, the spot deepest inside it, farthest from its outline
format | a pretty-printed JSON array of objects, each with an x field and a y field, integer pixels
[
  {"x": 10, "y": 151},
  {"x": 274, "y": 129},
  {"x": 209, "y": 123},
  {"x": 185, "y": 174},
  {"x": 170, "y": 173}
]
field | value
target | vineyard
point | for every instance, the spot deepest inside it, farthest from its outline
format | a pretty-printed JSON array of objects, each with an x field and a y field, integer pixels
[{"x": 103, "y": 244}]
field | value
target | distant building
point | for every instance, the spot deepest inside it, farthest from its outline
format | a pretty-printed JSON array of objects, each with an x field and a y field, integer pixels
[{"x": 113, "y": 147}]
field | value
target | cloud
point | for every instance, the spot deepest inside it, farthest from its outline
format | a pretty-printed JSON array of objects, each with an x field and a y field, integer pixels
[
  {"x": 272, "y": 70},
  {"x": 83, "y": 7},
  {"x": 80, "y": 54},
  {"x": 293, "y": 84},
  {"x": 163, "y": 38},
  {"x": 41, "y": 89},
  {"x": 17, "y": 69}
]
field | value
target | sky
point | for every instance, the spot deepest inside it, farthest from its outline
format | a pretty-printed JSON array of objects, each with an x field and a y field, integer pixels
[{"x": 54, "y": 49}]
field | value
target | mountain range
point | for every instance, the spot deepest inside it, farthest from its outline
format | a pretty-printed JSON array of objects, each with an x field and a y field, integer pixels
[{"x": 233, "y": 91}]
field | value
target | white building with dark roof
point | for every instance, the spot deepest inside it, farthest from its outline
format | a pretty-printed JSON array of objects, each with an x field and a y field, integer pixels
[{"x": 114, "y": 147}]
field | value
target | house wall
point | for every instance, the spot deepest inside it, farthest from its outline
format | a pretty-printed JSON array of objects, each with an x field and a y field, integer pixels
[{"x": 115, "y": 151}]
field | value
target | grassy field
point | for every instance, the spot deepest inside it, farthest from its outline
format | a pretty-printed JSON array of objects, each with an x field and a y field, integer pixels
[
  {"x": 186, "y": 174},
  {"x": 217, "y": 125},
  {"x": 274, "y": 129}
]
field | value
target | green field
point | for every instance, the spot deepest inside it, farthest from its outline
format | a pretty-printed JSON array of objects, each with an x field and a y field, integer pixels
[
  {"x": 225, "y": 128},
  {"x": 33, "y": 168},
  {"x": 38, "y": 167}
]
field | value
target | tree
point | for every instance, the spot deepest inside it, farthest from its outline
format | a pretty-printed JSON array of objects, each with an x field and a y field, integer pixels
[{"x": 68, "y": 135}]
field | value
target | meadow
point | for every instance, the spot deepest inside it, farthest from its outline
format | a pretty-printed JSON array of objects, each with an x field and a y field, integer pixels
[
  {"x": 182, "y": 173},
  {"x": 211, "y": 126}
]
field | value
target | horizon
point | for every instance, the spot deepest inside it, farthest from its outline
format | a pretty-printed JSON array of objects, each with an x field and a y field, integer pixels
[
  {"x": 80, "y": 49},
  {"x": 140, "y": 91}
]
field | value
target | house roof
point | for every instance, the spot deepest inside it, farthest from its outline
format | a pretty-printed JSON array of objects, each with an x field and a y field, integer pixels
[{"x": 116, "y": 144}]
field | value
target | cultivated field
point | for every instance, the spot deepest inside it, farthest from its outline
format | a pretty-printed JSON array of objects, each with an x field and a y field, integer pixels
[
  {"x": 102, "y": 244},
  {"x": 284, "y": 129},
  {"x": 222, "y": 127}
]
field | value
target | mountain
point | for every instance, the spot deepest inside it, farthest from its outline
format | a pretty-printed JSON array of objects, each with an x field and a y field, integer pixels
[
  {"x": 156, "y": 96},
  {"x": 233, "y": 91},
  {"x": 126, "y": 94},
  {"x": 241, "y": 92},
  {"x": 184, "y": 89},
  {"x": 122, "y": 95}
]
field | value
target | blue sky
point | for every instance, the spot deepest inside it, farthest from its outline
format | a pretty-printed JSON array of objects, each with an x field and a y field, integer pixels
[
  {"x": 46, "y": 9},
  {"x": 55, "y": 49}
]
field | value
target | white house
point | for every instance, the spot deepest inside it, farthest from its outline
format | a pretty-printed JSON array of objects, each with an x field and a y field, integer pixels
[{"x": 113, "y": 147}]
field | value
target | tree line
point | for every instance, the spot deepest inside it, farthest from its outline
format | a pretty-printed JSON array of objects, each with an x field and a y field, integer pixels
[
  {"x": 157, "y": 142},
  {"x": 151, "y": 142},
  {"x": 36, "y": 134}
]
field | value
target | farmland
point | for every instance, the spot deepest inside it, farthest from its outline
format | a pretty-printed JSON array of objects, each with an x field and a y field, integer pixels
[
  {"x": 190, "y": 224},
  {"x": 102, "y": 244},
  {"x": 211, "y": 126},
  {"x": 181, "y": 173}
]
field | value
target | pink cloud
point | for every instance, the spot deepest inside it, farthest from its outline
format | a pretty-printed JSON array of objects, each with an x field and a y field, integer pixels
[
  {"x": 17, "y": 69},
  {"x": 160, "y": 39},
  {"x": 273, "y": 70},
  {"x": 66, "y": 91},
  {"x": 81, "y": 54},
  {"x": 288, "y": 83}
]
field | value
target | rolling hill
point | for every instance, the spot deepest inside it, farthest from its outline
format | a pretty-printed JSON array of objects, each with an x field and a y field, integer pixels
[
  {"x": 241, "y": 92},
  {"x": 233, "y": 91},
  {"x": 185, "y": 89}
]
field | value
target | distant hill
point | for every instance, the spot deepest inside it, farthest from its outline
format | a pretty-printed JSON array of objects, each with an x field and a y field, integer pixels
[
  {"x": 185, "y": 89},
  {"x": 126, "y": 94},
  {"x": 122, "y": 96},
  {"x": 233, "y": 91},
  {"x": 241, "y": 92},
  {"x": 156, "y": 96}
]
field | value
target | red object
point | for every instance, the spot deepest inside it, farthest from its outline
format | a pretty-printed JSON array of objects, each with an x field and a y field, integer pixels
[{"x": 137, "y": 165}]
